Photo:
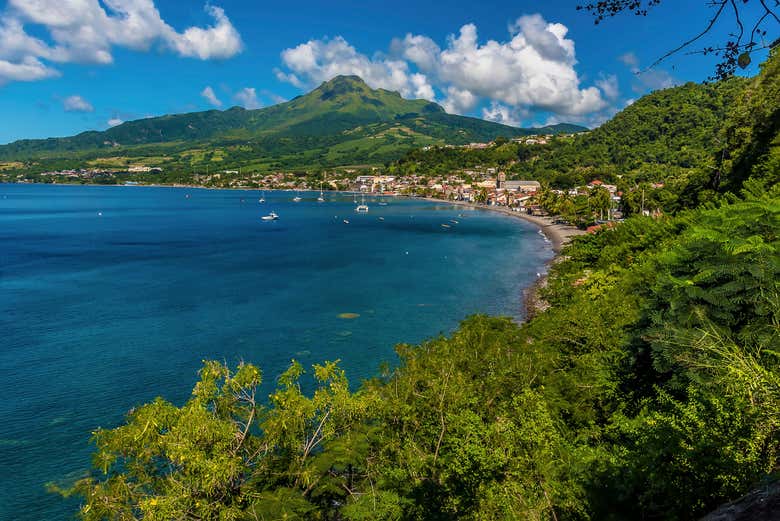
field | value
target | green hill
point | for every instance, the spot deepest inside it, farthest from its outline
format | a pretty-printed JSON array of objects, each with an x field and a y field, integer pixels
[
  {"x": 671, "y": 133},
  {"x": 341, "y": 122}
]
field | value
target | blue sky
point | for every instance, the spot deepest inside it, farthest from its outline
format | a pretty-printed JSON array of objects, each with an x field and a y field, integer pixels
[{"x": 72, "y": 65}]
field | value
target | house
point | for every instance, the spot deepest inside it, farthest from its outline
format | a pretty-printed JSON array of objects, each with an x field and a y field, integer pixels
[{"x": 487, "y": 183}]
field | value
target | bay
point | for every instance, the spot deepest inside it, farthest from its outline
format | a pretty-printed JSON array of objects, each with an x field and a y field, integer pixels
[{"x": 111, "y": 296}]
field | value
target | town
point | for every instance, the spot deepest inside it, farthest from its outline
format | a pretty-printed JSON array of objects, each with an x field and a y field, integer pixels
[{"x": 595, "y": 203}]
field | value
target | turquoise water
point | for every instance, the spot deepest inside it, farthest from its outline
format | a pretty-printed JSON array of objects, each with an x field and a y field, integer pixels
[{"x": 110, "y": 296}]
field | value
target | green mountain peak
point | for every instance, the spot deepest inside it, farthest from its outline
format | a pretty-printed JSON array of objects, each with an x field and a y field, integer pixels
[{"x": 343, "y": 121}]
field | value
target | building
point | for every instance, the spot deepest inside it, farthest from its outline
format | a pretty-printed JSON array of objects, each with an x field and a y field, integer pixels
[{"x": 522, "y": 186}]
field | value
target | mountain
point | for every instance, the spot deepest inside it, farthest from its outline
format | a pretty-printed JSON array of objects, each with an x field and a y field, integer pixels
[{"x": 343, "y": 121}]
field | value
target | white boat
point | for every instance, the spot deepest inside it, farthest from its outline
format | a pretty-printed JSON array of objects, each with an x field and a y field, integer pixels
[
  {"x": 297, "y": 198},
  {"x": 345, "y": 221},
  {"x": 262, "y": 198},
  {"x": 382, "y": 203},
  {"x": 445, "y": 225},
  {"x": 270, "y": 217},
  {"x": 321, "y": 198},
  {"x": 362, "y": 207}
]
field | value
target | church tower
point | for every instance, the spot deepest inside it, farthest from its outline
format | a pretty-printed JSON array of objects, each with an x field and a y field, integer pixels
[{"x": 501, "y": 183}]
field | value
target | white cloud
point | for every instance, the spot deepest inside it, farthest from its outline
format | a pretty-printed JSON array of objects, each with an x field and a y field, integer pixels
[
  {"x": 502, "y": 114},
  {"x": 649, "y": 79},
  {"x": 27, "y": 69},
  {"x": 534, "y": 69},
  {"x": 275, "y": 97},
  {"x": 212, "y": 98},
  {"x": 654, "y": 79},
  {"x": 459, "y": 101},
  {"x": 86, "y": 31},
  {"x": 629, "y": 59},
  {"x": 219, "y": 41},
  {"x": 76, "y": 103},
  {"x": 114, "y": 122},
  {"x": 609, "y": 86},
  {"x": 247, "y": 98}
]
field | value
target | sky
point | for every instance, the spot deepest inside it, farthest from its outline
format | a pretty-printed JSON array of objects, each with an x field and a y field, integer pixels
[{"x": 67, "y": 66}]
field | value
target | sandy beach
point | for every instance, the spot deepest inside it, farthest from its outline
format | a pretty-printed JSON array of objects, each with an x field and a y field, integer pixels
[{"x": 558, "y": 234}]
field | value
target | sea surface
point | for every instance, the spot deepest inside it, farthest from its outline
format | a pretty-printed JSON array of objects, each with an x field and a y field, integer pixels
[{"x": 111, "y": 296}]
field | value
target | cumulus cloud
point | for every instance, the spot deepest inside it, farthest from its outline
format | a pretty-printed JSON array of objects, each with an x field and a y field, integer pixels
[
  {"x": 533, "y": 70},
  {"x": 76, "y": 103},
  {"x": 26, "y": 69},
  {"x": 609, "y": 86},
  {"x": 247, "y": 98},
  {"x": 629, "y": 59},
  {"x": 212, "y": 98},
  {"x": 647, "y": 80},
  {"x": 654, "y": 79},
  {"x": 86, "y": 31},
  {"x": 459, "y": 101},
  {"x": 275, "y": 98},
  {"x": 114, "y": 122},
  {"x": 219, "y": 41},
  {"x": 504, "y": 114}
]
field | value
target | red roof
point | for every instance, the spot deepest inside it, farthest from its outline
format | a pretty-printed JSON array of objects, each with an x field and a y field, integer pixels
[{"x": 596, "y": 182}]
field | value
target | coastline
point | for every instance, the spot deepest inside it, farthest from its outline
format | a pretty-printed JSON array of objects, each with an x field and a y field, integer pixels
[{"x": 558, "y": 234}]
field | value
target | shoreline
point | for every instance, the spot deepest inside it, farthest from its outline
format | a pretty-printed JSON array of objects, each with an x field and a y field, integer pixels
[{"x": 558, "y": 234}]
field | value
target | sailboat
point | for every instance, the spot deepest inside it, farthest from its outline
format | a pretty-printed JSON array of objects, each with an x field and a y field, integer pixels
[
  {"x": 362, "y": 207},
  {"x": 297, "y": 198},
  {"x": 321, "y": 199},
  {"x": 262, "y": 197}
]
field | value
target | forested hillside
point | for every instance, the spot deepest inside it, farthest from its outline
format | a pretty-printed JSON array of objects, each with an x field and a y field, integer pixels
[
  {"x": 650, "y": 389},
  {"x": 668, "y": 134}
]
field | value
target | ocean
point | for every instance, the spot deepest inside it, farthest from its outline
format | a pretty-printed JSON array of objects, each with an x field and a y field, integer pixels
[{"x": 111, "y": 296}]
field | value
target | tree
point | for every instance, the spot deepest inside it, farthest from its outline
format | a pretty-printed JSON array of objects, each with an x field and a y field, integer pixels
[
  {"x": 224, "y": 456},
  {"x": 745, "y": 38}
]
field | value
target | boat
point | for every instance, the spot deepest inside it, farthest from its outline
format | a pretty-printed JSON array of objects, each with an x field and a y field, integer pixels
[
  {"x": 382, "y": 203},
  {"x": 262, "y": 198},
  {"x": 321, "y": 198},
  {"x": 381, "y": 218},
  {"x": 453, "y": 221},
  {"x": 270, "y": 217},
  {"x": 445, "y": 226},
  {"x": 345, "y": 221},
  {"x": 362, "y": 207}
]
